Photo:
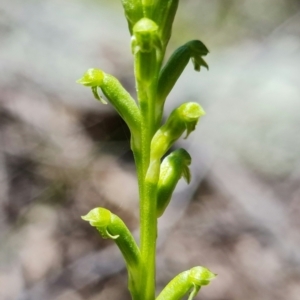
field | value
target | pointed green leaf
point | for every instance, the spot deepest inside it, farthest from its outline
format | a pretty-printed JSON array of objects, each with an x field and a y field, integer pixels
[
  {"x": 172, "y": 70},
  {"x": 133, "y": 11},
  {"x": 164, "y": 14}
]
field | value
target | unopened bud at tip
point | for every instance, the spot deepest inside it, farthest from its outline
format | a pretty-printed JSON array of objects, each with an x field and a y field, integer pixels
[{"x": 92, "y": 78}]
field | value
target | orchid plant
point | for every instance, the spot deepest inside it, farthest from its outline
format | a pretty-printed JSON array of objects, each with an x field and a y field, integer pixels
[{"x": 150, "y": 26}]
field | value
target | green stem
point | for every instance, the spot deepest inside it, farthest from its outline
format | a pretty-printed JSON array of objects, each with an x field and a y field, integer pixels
[
  {"x": 147, "y": 51},
  {"x": 148, "y": 222},
  {"x": 148, "y": 218}
]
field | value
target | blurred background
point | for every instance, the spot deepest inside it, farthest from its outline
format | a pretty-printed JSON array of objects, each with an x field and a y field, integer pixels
[{"x": 62, "y": 153}]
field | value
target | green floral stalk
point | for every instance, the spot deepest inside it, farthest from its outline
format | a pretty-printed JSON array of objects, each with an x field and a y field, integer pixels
[{"x": 150, "y": 27}]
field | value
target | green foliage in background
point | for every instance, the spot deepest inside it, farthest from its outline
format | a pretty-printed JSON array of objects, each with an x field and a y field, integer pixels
[{"x": 150, "y": 26}]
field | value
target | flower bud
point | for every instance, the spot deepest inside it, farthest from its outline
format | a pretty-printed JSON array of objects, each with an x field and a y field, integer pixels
[
  {"x": 98, "y": 217},
  {"x": 145, "y": 35},
  {"x": 111, "y": 226},
  {"x": 173, "y": 167},
  {"x": 116, "y": 94},
  {"x": 92, "y": 77},
  {"x": 146, "y": 47},
  {"x": 183, "y": 118},
  {"x": 179, "y": 286},
  {"x": 201, "y": 276}
]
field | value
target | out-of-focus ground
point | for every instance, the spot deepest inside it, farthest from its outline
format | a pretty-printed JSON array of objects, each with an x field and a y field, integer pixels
[{"x": 62, "y": 153}]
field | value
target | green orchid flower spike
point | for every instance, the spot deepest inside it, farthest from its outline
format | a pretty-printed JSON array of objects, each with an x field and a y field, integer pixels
[{"x": 150, "y": 26}]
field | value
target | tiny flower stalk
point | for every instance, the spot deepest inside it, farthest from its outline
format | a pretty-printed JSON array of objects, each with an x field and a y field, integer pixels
[{"x": 150, "y": 26}]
